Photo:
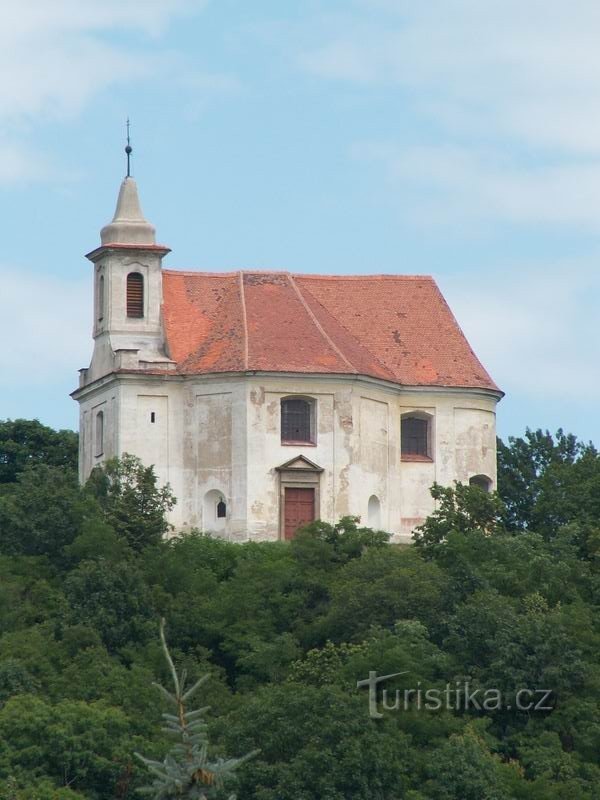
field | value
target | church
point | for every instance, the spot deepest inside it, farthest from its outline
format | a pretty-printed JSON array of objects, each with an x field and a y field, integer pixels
[{"x": 269, "y": 399}]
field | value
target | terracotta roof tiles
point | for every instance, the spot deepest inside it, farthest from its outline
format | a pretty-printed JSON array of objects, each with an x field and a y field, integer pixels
[{"x": 394, "y": 327}]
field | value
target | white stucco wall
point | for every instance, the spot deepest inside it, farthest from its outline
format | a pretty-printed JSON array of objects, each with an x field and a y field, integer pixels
[{"x": 222, "y": 434}]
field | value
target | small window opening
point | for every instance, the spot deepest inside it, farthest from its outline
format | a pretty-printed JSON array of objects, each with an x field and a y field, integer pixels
[
  {"x": 135, "y": 295},
  {"x": 297, "y": 423},
  {"x": 100, "y": 298},
  {"x": 99, "y": 433},
  {"x": 221, "y": 509},
  {"x": 482, "y": 482},
  {"x": 152, "y": 416}
]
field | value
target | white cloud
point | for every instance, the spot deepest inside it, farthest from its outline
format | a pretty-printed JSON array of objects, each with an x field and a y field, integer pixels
[
  {"x": 458, "y": 182},
  {"x": 55, "y": 55},
  {"x": 40, "y": 340},
  {"x": 534, "y": 329},
  {"x": 496, "y": 78}
]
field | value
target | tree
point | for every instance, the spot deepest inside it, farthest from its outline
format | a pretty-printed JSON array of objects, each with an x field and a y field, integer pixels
[
  {"x": 547, "y": 481},
  {"x": 43, "y": 513},
  {"x": 187, "y": 771},
  {"x": 112, "y": 598},
  {"x": 465, "y": 769},
  {"x": 75, "y": 744},
  {"x": 25, "y": 443},
  {"x": 461, "y": 509},
  {"x": 132, "y": 502}
]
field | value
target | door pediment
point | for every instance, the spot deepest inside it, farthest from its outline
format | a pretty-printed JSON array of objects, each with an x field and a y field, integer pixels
[{"x": 299, "y": 464}]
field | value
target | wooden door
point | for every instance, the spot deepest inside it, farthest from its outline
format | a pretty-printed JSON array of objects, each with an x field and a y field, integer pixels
[{"x": 299, "y": 509}]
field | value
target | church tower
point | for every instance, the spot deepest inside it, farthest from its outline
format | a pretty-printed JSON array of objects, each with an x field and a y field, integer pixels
[
  {"x": 128, "y": 340},
  {"x": 127, "y": 291}
]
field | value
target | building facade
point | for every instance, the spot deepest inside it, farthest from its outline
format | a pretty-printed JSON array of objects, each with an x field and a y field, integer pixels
[{"x": 267, "y": 399}]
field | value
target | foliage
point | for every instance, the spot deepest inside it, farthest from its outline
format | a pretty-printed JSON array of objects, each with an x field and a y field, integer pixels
[
  {"x": 502, "y": 590},
  {"x": 132, "y": 502},
  {"x": 188, "y": 771},
  {"x": 25, "y": 443},
  {"x": 43, "y": 513},
  {"x": 547, "y": 481}
]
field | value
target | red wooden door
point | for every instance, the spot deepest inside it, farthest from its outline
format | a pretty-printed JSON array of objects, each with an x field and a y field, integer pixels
[{"x": 299, "y": 509}]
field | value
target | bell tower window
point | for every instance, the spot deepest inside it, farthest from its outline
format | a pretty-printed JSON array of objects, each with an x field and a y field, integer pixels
[{"x": 135, "y": 295}]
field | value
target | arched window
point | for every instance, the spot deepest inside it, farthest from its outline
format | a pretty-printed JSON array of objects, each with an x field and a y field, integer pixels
[
  {"x": 297, "y": 420},
  {"x": 374, "y": 512},
  {"x": 135, "y": 295},
  {"x": 99, "y": 433},
  {"x": 214, "y": 511},
  {"x": 415, "y": 436},
  {"x": 482, "y": 482},
  {"x": 100, "y": 298}
]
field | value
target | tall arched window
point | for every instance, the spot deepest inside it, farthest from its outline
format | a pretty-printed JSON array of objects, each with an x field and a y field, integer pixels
[
  {"x": 135, "y": 295},
  {"x": 99, "y": 433},
  {"x": 374, "y": 512},
  {"x": 100, "y": 298},
  {"x": 297, "y": 420}
]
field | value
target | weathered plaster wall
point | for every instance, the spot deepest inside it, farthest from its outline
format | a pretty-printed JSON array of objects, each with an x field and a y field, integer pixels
[{"x": 222, "y": 434}]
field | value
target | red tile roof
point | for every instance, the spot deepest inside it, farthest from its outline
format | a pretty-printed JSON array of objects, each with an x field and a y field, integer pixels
[{"x": 394, "y": 327}]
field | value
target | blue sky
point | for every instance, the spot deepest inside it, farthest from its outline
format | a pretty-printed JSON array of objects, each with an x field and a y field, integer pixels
[{"x": 454, "y": 137}]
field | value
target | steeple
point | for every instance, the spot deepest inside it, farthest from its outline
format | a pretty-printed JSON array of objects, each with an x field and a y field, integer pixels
[{"x": 128, "y": 225}]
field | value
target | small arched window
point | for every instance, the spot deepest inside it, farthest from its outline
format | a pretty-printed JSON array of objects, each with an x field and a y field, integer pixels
[
  {"x": 297, "y": 421},
  {"x": 135, "y": 295},
  {"x": 99, "y": 433},
  {"x": 100, "y": 298},
  {"x": 415, "y": 436},
  {"x": 374, "y": 512},
  {"x": 482, "y": 482},
  {"x": 214, "y": 512}
]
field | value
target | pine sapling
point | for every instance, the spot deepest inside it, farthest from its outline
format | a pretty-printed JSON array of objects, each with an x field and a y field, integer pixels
[{"x": 187, "y": 771}]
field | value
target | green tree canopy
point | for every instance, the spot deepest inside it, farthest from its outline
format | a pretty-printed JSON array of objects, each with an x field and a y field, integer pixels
[{"x": 25, "y": 443}]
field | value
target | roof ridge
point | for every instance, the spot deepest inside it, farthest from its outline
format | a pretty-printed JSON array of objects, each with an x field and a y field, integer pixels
[
  {"x": 300, "y": 275},
  {"x": 318, "y": 325},
  {"x": 244, "y": 318},
  {"x": 366, "y": 276}
]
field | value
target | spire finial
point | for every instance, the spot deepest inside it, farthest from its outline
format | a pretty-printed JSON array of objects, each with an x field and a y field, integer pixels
[{"x": 128, "y": 150}]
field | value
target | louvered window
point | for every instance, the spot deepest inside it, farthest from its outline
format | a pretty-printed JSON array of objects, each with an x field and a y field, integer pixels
[
  {"x": 415, "y": 436},
  {"x": 135, "y": 295},
  {"x": 297, "y": 420}
]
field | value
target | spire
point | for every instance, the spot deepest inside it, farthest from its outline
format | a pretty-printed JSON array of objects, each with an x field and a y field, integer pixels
[{"x": 128, "y": 225}]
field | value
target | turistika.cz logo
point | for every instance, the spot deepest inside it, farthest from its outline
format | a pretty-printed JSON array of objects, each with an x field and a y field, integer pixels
[{"x": 457, "y": 696}]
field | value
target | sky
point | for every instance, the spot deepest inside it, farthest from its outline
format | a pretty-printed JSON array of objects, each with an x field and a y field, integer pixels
[{"x": 454, "y": 138}]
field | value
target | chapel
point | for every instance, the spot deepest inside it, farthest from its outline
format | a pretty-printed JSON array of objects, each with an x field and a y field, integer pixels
[{"x": 271, "y": 399}]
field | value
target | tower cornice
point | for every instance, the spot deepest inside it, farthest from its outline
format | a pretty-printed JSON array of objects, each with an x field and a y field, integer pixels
[{"x": 159, "y": 249}]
